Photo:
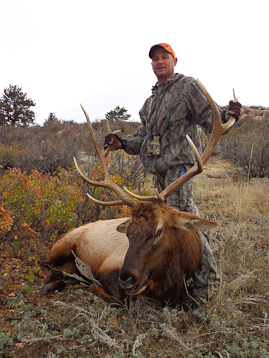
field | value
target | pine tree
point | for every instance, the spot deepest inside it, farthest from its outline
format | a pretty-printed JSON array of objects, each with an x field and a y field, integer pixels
[
  {"x": 118, "y": 113},
  {"x": 51, "y": 119},
  {"x": 15, "y": 107}
]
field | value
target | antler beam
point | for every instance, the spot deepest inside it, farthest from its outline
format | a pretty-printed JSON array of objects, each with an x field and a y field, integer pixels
[
  {"x": 107, "y": 182},
  {"x": 218, "y": 129}
]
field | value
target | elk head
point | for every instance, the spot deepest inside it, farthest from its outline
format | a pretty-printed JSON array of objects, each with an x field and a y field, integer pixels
[
  {"x": 155, "y": 230},
  {"x": 156, "y": 234}
]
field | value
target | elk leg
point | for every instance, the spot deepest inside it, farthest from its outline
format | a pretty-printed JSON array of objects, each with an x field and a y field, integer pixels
[
  {"x": 69, "y": 267},
  {"x": 99, "y": 291},
  {"x": 110, "y": 284}
]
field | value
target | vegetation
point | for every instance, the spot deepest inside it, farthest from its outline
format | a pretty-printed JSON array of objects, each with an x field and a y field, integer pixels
[
  {"x": 51, "y": 118},
  {"x": 118, "y": 114},
  {"x": 247, "y": 147},
  {"x": 15, "y": 107},
  {"x": 54, "y": 145},
  {"x": 38, "y": 206}
]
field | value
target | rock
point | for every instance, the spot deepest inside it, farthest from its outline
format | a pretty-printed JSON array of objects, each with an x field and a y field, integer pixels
[{"x": 234, "y": 174}]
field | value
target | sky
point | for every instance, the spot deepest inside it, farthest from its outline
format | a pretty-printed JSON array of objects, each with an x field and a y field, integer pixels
[{"x": 63, "y": 53}]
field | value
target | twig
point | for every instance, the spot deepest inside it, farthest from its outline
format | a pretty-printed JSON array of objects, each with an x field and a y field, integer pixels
[
  {"x": 138, "y": 342},
  {"x": 172, "y": 333},
  {"x": 33, "y": 340},
  {"x": 186, "y": 288},
  {"x": 85, "y": 271}
]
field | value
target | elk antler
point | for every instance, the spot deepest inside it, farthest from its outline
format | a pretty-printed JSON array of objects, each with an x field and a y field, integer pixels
[
  {"x": 218, "y": 129},
  {"x": 107, "y": 182},
  {"x": 161, "y": 197},
  {"x": 236, "y": 99},
  {"x": 109, "y": 131}
]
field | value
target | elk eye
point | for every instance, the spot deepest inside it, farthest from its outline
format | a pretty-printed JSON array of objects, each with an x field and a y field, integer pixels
[
  {"x": 159, "y": 232},
  {"x": 157, "y": 236}
]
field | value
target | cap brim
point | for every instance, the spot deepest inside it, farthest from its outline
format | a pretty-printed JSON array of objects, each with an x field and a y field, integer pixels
[{"x": 155, "y": 47}]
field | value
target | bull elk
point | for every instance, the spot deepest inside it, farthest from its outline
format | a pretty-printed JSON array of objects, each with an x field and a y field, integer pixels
[{"x": 150, "y": 253}]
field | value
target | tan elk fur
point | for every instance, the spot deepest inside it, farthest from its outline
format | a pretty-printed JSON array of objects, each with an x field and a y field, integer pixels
[{"x": 98, "y": 244}]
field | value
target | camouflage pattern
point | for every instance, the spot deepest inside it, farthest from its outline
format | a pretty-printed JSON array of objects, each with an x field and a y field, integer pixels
[
  {"x": 188, "y": 108},
  {"x": 206, "y": 276}
]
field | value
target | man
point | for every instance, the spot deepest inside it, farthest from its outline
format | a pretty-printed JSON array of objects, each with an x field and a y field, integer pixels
[{"x": 174, "y": 109}]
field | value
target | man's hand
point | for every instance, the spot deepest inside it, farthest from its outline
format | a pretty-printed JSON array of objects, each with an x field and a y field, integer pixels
[
  {"x": 234, "y": 109},
  {"x": 113, "y": 141}
]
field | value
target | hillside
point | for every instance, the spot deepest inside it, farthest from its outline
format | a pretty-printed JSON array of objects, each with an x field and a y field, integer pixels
[{"x": 38, "y": 207}]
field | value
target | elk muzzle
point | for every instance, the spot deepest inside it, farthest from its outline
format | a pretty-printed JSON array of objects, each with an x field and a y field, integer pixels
[{"x": 129, "y": 283}]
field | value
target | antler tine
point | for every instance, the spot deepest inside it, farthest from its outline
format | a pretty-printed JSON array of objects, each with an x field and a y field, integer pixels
[
  {"x": 101, "y": 184},
  {"x": 107, "y": 182},
  {"x": 106, "y": 203},
  {"x": 236, "y": 99},
  {"x": 195, "y": 170},
  {"x": 156, "y": 197},
  {"x": 102, "y": 158},
  {"x": 106, "y": 152},
  {"x": 218, "y": 129}
]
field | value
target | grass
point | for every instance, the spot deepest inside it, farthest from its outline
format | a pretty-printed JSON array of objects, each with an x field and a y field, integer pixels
[{"x": 233, "y": 323}]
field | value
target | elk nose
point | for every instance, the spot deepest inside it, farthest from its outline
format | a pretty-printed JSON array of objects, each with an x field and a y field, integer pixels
[{"x": 127, "y": 280}]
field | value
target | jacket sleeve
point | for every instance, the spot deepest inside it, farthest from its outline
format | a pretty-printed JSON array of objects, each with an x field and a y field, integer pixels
[
  {"x": 200, "y": 108},
  {"x": 134, "y": 142}
]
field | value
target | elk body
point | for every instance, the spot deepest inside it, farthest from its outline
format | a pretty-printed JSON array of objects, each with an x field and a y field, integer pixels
[
  {"x": 162, "y": 248},
  {"x": 150, "y": 253}
]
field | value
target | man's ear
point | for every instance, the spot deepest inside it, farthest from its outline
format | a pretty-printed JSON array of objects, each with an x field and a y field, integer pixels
[{"x": 175, "y": 61}]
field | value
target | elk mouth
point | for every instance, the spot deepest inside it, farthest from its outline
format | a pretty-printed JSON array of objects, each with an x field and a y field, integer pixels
[{"x": 136, "y": 290}]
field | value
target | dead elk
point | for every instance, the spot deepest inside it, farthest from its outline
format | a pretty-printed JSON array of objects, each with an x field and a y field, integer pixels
[{"x": 150, "y": 253}]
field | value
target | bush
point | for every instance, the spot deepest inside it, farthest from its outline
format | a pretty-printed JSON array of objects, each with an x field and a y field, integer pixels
[
  {"x": 54, "y": 145},
  {"x": 10, "y": 155},
  {"x": 41, "y": 194},
  {"x": 35, "y": 205},
  {"x": 247, "y": 146}
]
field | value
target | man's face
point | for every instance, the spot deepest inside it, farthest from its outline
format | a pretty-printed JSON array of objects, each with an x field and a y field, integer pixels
[{"x": 163, "y": 64}]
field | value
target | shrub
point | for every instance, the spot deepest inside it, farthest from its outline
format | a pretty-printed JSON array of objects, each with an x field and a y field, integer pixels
[
  {"x": 54, "y": 145},
  {"x": 247, "y": 146},
  {"x": 10, "y": 155},
  {"x": 36, "y": 204},
  {"x": 6, "y": 221}
]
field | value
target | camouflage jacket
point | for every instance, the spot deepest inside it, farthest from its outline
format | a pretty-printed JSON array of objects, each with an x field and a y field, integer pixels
[{"x": 188, "y": 108}]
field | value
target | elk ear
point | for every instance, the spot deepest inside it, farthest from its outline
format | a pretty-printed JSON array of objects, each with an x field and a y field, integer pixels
[
  {"x": 124, "y": 226},
  {"x": 190, "y": 222}
]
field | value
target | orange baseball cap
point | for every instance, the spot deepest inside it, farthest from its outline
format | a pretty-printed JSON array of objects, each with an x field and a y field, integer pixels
[{"x": 164, "y": 45}]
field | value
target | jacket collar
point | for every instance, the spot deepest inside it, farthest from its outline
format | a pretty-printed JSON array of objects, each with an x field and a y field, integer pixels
[{"x": 166, "y": 84}]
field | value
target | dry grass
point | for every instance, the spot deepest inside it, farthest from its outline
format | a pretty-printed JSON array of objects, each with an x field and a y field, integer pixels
[
  {"x": 243, "y": 199},
  {"x": 233, "y": 323}
]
